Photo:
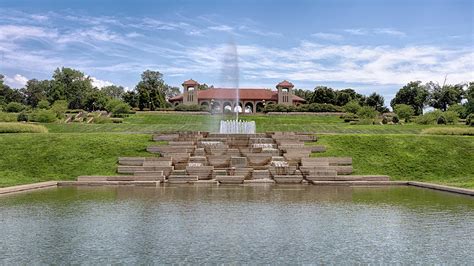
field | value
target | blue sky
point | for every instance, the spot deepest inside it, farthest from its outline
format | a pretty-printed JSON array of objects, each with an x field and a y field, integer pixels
[{"x": 366, "y": 45}]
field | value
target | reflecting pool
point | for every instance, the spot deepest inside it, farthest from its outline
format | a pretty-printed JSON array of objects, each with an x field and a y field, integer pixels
[{"x": 236, "y": 224}]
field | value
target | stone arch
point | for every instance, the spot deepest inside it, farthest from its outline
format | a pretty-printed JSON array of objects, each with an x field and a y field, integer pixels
[
  {"x": 248, "y": 107},
  {"x": 227, "y": 106},
  {"x": 259, "y": 106}
]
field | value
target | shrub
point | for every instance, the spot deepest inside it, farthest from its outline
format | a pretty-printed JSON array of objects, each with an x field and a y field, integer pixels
[
  {"x": 451, "y": 117},
  {"x": 192, "y": 108},
  {"x": 121, "y": 108},
  {"x": 116, "y": 120},
  {"x": 43, "y": 104},
  {"x": 459, "y": 109},
  {"x": 349, "y": 117},
  {"x": 22, "y": 117},
  {"x": 470, "y": 120},
  {"x": 384, "y": 120},
  {"x": 395, "y": 119},
  {"x": 429, "y": 118},
  {"x": 404, "y": 111},
  {"x": 43, "y": 116},
  {"x": 102, "y": 120},
  {"x": 449, "y": 131},
  {"x": 367, "y": 112},
  {"x": 59, "y": 108},
  {"x": 15, "y": 107},
  {"x": 324, "y": 107},
  {"x": 441, "y": 120},
  {"x": 352, "y": 107},
  {"x": 22, "y": 128},
  {"x": 366, "y": 121},
  {"x": 7, "y": 117}
]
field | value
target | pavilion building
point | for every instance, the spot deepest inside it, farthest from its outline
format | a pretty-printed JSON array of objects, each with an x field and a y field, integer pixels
[{"x": 251, "y": 100}]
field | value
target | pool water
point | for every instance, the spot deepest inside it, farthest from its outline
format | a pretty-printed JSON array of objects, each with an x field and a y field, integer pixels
[{"x": 236, "y": 224}]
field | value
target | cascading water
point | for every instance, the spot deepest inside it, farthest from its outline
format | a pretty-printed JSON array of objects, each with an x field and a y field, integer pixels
[{"x": 237, "y": 127}]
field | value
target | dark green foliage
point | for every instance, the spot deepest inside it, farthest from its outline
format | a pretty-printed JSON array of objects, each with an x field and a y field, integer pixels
[
  {"x": 323, "y": 94},
  {"x": 59, "y": 108},
  {"x": 190, "y": 108},
  {"x": 70, "y": 85},
  {"x": 313, "y": 107},
  {"x": 349, "y": 117},
  {"x": 152, "y": 91},
  {"x": 14, "y": 107},
  {"x": 470, "y": 120},
  {"x": 22, "y": 117},
  {"x": 441, "y": 97},
  {"x": 441, "y": 120},
  {"x": 131, "y": 97},
  {"x": 376, "y": 101},
  {"x": 459, "y": 109},
  {"x": 395, "y": 119},
  {"x": 43, "y": 104},
  {"x": 384, "y": 120},
  {"x": 113, "y": 91},
  {"x": 413, "y": 94},
  {"x": 352, "y": 107},
  {"x": 404, "y": 111}
]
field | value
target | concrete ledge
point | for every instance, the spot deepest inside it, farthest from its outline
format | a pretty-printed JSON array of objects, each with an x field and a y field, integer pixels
[
  {"x": 464, "y": 191},
  {"x": 360, "y": 183},
  {"x": 260, "y": 181},
  {"x": 20, "y": 188},
  {"x": 107, "y": 183}
]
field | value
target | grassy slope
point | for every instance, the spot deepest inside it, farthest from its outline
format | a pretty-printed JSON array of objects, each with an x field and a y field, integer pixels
[
  {"x": 439, "y": 159},
  {"x": 148, "y": 123},
  {"x": 28, "y": 158}
]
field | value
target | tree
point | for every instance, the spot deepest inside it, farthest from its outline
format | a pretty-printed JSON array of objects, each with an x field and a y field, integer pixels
[
  {"x": 113, "y": 91},
  {"x": 376, "y": 101},
  {"x": 131, "y": 97},
  {"x": 404, "y": 111},
  {"x": 413, "y": 94},
  {"x": 8, "y": 95},
  {"x": 469, "y": 96},
  {"x": 305, "y": 94},
  {"x": 367, "y": 112},
  {"x": 323, "y": 94},
  {"x": 35, "y": 91},
  {"x": 171, "y": 91},
  {"x": 152, "y": 90},
  {"x": 441, "y": 97},
  {"x": 71, "y": 85},
  {"x": 203, "y": 86},
  {"x": 96, "y": 100},
  {"x": 352, "y": 107}
]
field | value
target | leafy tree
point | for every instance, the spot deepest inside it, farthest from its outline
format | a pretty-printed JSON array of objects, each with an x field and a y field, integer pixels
[
  {"x": 404, "y": 111},
  {"x": 71, "y": 85},
  {"x": 441, "y": 97},
  {"x": 59, "y": 107},
  {"x": 305, "y": 94},
  {"x": 152, "y": 90},
  {"x": 131, "y": 97},
  {"x": 413, "y": 94},
  {"x": 43, "y": 104},
  {"x": 14, "y": 107},
  {"x": 469, "y": 96},
  {"x": 35, "y": 91},
  {"x": 96, "y": 100},
  {"x": 171, "y": 91},
  {"x": 8, "y": 94},
  {"x": 323, "y": 94},
  {"x": 376, "y": 101},
  {"x": 113, "y": 91},
  {"x": 459, "y": 109},
  {"x": 342, "y": 98},
  {"x": 203, "y": 86}
]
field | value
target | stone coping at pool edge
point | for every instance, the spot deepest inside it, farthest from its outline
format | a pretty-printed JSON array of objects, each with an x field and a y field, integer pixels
[{"x": 52, "y": 184}]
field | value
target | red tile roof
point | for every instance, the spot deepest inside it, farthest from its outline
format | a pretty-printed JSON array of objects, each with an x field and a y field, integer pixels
[
  {"x": 286, "y": 84},
  {"x": 231, "y": 93},
  {"x": 190, "y": 82}
]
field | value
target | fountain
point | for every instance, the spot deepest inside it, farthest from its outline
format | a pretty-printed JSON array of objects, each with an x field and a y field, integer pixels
[{"x": 232, "y": 74}]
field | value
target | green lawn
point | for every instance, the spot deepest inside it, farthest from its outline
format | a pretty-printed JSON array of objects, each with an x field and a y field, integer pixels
[
  {"x": 439, "y": 159},
  {"x": 396, "y": 150},
  {"x": 149, "y": 122},
  {"x": 29, "y": 158}
]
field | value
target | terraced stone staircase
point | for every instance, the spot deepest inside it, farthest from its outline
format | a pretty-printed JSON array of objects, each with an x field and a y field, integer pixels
[{"x": 212, "y": 158}]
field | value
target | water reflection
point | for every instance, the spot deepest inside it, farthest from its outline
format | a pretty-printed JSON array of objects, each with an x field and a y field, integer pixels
[{"x": 239, "y": 224}]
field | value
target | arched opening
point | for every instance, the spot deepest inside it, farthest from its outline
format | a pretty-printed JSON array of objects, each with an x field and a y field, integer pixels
[
  {"x": 260, "y": 106},
  {"x": 216, "y": 107},
  {"x": 248, "y": 107},
  {"x": 206, "y": 104},
  {"x": 227, "y": 107},
  {"x": 238, "y": 108}
]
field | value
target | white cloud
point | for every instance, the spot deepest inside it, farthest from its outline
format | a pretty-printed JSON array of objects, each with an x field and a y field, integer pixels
[
  {"x": 389, "y": 31},
  {"x": 100, "y": 83},
  {"x": 327, "y": 36},
  {"x": 221, "y": 28},
  {"x": 386, "y": 31},
  {"x": 17, "y": 81},
  {"x": 356, "y": 31},
  {"x": 13, "y": 32}
]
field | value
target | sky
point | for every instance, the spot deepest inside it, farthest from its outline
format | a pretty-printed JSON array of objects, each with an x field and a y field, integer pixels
[{"x": 370, "y": 46}]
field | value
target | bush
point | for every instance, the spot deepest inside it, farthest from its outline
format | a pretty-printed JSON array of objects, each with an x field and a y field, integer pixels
[
  {"x": 121, "y": 108},
  {"x": 395, "y": 119},
  {"x": 191, "y": 108},
  {"x": 22, "y": 128},
  {"x": 116, "y": 120},
  {"x": 366, "y": 121},
  {"x": 459, "y": 109},
  {"x": 352, "y": 107},
  {"x": 429, "y": 118},
  {"x": 367, "y": 112},
  {"x": 22, "y": 117},
  {"x": 349, "y": 117},
  {"x": 451, "y": 117},
  {"x": 43, "y": 116},
  {"x": 102, "y": 120},
  {"x": 324, "y": 107},
  {"x": 449, "y": 131},
  {"x": 59, "y": 108},
  {"x": 15, "y": 107},
  {"x": 441, "y": 120},
  {"x": 384, "y": 120},
  {"x": 7, "y": 117},
  {"x": 43, "y": 104},
  {"x": 404, "y": 111},
  {"x": 470, "y": 120}
]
